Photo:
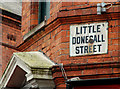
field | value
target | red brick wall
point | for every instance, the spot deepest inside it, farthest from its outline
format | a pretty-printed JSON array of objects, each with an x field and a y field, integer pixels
[
  {"x": 6, "y": 56},
  {"x": 29, "y": 16},
  {"x": 54, "y": 41},
  {"x": 11, "y": 37}
]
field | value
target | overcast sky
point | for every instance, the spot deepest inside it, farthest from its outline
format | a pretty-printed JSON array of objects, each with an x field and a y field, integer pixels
[{"x": 14, "y": 6}]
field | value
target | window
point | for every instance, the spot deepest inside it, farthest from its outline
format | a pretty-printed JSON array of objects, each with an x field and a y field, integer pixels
[
  {"x": 44, "y": 13},
  {"x": 44, "y": 10}
]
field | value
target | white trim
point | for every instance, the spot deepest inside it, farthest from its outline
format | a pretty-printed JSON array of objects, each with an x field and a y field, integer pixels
[
  {"x": 18, "y": 60},
  {"x": 35, "y": 29},
  {"x": 15, "y": 61},
  {"x": 8, "y": 73}
]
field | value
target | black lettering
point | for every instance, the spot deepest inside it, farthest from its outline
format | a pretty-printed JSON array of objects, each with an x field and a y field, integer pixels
[
  {"x": 77, "y": 30},
  {"x": 99, "y": 38},
  {"x": 89, "y": 29},
  {"x": 82, "y": 39},
  {"x": 90, "y": 49},
  {"x": 95, "y": 38},
  {"x": 85, "y": 49},
  {"x": 81, "y": 49},
  {"x": 102, "y": 38},
  {"x": 78, "y": 40},
  {"x": 81, "y": 30},
  {"x": 94, "y": 30},
  {"x": 94, "y": 48},
  {"x": 87, "y": 39},
  {"x": 99, "y": 47},
  {"x": 84, "y": 29},
  {"x": 77, "y": 50},
  {"x": 98, "y": 28},
  {"x": 73, "y": 40}
]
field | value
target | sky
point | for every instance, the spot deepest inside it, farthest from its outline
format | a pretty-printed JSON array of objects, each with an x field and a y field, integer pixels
[{"x": 14, "y": 6}]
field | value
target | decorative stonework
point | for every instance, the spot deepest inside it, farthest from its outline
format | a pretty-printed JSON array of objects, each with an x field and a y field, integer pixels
[{"x": 30, "y": 66}]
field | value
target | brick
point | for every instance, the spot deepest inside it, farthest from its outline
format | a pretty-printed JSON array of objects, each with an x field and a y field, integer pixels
[
  {"x": 113, "y": 35},
  {"x": 113, "y": 47},
  {"x": 86, "y": 12},
  {"x": 110, "y": 10},
  {"x": 67, "y": 4},
  {"x": 52, "y": 45},
  {"x": 115, "y": 41},
  {"x": 71, "y": 13},
  {"x": 93, "y": 10},
  {"x": 29, "y": 13},
  {"x": 102, "y": 55},
  {"x": 109, "y": 41},
  {"x": 33, "y": 16},
  {"x": 64, "y": 51},
  {"x": 62, "y": 57},
  {"x": 65, "y": 39},
  {"x": 82, "y": 2},
  {"x": 89, "y": 72},
  {"x": 115, "y": 53},
  {"x": 48, "y": 53},
  {"x": 48, "y": 36},
  {"x": 96, "y": 60},
  {"x": 65, "y": 27},
  {"x": 116, "y": 8},
  {"x": 54, "y": 41},
  {"x": 115, "y": 29},
  {"x": 61, "y": 85},
  {"x": 34, "y": 11},
  {"x": 117, "y": 22},
  {"x": 60, "y": 34},
  {"x": 64, "y": 45},
  {"x": 68, "y": 33},
  {"x": 112, "y": 23},
  {"x": 69, "y": 8},
  {"x": 116, "y": 59},
  {"x": 57, "y": 74},
  {"x": 79, "y": 12},
  {"x": 107, "y": 59},
  {"x": 34, "y": 22},
  {"x": 56, "y": 48},
  {"x": 62, "y": 14},
  {"x": 78, "y": 61},
  {"x": 104, "y": 71},
  {"x": 94, "y": 1},
  {"x": 110, "y": 29},
  {"x": 66, "y": 62},
  {"x": 116, "y": 70},
  {"x": 74, "y": 73},
  {"x": 52, "y": 34}
]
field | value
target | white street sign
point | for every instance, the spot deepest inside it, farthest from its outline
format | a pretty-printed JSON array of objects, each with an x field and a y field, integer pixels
[{"x": 89, "y": 39}]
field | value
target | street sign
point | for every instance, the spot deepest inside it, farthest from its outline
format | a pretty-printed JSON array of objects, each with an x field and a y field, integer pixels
[{"x": 89, "y": 39}]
